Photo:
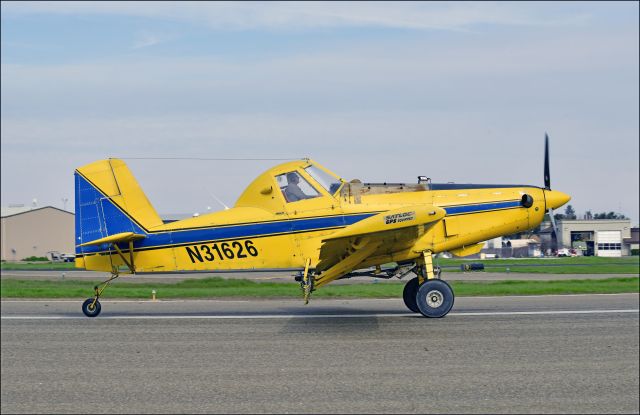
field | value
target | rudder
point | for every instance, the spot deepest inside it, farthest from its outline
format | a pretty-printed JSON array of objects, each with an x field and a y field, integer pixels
[{"x": 109, "y": 201}]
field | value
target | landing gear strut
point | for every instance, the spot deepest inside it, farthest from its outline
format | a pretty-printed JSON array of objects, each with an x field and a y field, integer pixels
[
  {"x": 427, "y": 294},
  {"x": 306, "y": 282},
  {"x": 91, "y": 306}
]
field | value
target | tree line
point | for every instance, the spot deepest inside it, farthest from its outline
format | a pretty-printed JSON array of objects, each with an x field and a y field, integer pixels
[{"x": 570, "y": 213}]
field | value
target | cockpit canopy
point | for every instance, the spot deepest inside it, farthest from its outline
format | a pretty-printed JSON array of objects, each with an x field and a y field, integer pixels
[
  {"x": 289, "y": 183},
  {"x": 295, "y": 187}
]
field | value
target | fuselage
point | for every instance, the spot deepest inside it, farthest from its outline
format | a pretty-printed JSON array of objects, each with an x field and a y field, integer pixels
[{"x": 265, "y": 230}]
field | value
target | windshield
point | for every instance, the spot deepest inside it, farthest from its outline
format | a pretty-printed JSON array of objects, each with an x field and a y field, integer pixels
[{"x": 330, "y": 183}]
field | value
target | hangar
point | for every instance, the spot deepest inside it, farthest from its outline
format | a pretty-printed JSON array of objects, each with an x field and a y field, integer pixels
[
  {"x": 30, "y": 232},
  {"x": 601, "y": 237}
]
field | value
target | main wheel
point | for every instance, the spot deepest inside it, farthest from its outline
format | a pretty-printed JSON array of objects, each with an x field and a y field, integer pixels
[
  {"x": 90, "y": 309},
  {"x": 409, "y": 294},
  {"x": 435, "y": 298}
]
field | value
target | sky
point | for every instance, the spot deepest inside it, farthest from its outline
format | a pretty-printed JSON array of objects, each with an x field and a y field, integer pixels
[{"x": 457, "y": 91}]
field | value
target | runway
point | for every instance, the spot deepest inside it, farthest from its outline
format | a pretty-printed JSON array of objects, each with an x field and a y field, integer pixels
[{"x": 570, "y": 354}]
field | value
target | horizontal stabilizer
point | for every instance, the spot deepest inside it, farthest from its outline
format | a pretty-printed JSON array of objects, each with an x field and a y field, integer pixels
[{"x": 117, "y": 238}]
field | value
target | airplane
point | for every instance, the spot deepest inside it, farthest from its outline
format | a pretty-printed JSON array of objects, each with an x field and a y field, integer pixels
[{"x": 299, "y": 216}]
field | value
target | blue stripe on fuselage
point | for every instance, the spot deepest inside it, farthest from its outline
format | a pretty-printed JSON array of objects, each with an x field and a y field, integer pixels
[{"x": 454, "y": 210}]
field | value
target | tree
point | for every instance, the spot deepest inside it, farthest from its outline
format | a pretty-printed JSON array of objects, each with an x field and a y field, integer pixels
[
  {"x": 609, "y": 215},
  {"x": 588, "y": 215},
  {"x": 569, "y": 213}
]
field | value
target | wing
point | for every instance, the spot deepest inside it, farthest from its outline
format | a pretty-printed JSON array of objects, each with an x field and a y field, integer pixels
[{"x": 385, "y": 233}]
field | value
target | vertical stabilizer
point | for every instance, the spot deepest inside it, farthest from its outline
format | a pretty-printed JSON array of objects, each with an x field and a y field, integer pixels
[{"x": 110, "y": 201}]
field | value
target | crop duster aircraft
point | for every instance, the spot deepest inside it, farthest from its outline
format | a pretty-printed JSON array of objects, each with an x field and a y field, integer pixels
[{"x": 299, "y": 216}]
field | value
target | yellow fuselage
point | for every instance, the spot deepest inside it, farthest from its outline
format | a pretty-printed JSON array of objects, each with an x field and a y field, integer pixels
[{"x": 264, "y": 231}]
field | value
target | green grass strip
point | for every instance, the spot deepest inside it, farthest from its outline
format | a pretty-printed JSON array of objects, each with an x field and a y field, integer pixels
[
  {"x": 565, "y": 265},
  {"x": 553, "y": 269},
  {"x": 220, "y": 287},
  {"x": 586, "y": 260},
  {"x": 18, "y": 266}
]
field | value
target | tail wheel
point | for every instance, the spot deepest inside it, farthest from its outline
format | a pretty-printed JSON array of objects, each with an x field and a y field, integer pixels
[
  {"x": 91, "y": 307},
  {"x": 409, "y": 295},
  {"x": 434, "y": 298}
]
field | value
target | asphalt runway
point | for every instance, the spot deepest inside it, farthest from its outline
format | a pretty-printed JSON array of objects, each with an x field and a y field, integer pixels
[{"x": 536, "y": 354}]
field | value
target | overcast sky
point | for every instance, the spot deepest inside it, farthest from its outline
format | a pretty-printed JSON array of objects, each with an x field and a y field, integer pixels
[{"x": 378, "y": 91}]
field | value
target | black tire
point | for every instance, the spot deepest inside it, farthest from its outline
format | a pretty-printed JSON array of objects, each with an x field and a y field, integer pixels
[
  {"x": 435, "y": 298},
  {"x": 89, "y": 309},
  {"x": 409, "y": 295}
]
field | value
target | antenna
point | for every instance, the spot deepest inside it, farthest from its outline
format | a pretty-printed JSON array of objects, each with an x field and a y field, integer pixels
[{"x": 218, "y": 200}]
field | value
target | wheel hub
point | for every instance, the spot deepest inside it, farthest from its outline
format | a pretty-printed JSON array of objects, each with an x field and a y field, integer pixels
[{"x": 434, "y": 299}]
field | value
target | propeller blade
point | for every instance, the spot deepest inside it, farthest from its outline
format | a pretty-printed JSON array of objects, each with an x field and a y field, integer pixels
[
  {"x": 554, "y": 237},
  {"x": 547, "y": 176},
  {"x": 553, "y": 221}
]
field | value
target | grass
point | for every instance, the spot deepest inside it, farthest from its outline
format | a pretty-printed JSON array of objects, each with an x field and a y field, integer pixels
[
  {"x": 566, "y": 265},
  {"x": 220, "y": 287},
  {"x": 562, "y": 265},
  {"x": 10, "y": 266}
]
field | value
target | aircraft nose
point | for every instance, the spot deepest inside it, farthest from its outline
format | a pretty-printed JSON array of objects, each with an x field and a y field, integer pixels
[{"x": 555, "y": 199}]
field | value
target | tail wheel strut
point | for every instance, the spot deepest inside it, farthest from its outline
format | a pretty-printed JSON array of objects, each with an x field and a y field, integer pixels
[{"x": 91, "y": 306}]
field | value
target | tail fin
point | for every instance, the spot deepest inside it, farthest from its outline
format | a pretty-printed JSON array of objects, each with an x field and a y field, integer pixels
[{"x": 109, "y": 201}]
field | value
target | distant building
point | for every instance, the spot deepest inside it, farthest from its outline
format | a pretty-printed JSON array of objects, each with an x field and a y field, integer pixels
[
  {"x": 595, "y": 237},
  {"x": 634, "y": 240},
  {"x": 601, "y": 237},
  {"x": 36, "y": 232},
  {"x": 511, "y": 247}
]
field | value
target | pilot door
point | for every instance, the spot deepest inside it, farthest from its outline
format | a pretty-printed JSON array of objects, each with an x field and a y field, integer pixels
[{"x": 312, "y": 212}]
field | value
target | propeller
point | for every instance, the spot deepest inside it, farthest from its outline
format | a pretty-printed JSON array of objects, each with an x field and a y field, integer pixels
[
  {"x": 547, "y": 186},
  {"x": 547, "y": 178}
]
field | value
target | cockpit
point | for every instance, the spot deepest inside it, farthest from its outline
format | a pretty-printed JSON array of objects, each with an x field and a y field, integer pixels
[
  {"x": 291, "y": 183},
  {"x": 294, "y": 186}
]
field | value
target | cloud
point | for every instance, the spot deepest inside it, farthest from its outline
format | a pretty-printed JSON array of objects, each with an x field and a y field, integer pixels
[
  {"x": 146, "y": 39},
  {"x": 300, "y": 15},
  {"x": 558, "y": 72}
]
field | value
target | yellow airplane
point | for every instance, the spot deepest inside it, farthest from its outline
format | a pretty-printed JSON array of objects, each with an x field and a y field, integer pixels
[{"x": 301, "y": 217}]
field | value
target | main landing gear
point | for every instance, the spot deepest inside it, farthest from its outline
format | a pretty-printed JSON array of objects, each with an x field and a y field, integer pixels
[{"x": 427, "y": 294}]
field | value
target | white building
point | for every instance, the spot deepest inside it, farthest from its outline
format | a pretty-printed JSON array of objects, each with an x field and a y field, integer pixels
[{"x": 601, "y": 237}]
